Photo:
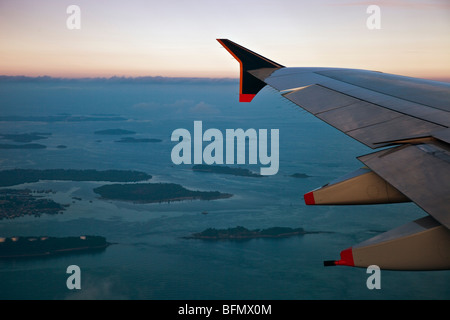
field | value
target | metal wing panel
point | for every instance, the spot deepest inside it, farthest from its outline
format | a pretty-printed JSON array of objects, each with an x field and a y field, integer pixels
[
  {"x": 317, "y": 99},
  {"x": 366, "y": 122},
  {"x": 354, "y": 116},
  {"x": 400, "y": 128},
  {"x": 388, "y": 91},
  {"x": 430, "y": 93},
  {"x": 413, "y": 109},
  {"x": 295, "y": 80},
  {"x": 421, "y": 172}
]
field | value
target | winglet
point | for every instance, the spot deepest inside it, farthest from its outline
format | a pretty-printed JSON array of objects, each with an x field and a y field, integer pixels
[{"x": 248, "y": 60}]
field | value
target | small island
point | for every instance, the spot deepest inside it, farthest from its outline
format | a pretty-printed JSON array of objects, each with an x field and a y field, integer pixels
[
  {"x": 25, "y": 137},
  {"x": 22, "y": 146},
  {"x": 114, "y": 132},
  {"x": 299, "y": 175},
  {"x": 225, "y": 170},
  {"x": 17, "y": 203},
  {"x": 43, "y": 246},
  {"x": 241, "y": 233},
  {"x": 63, "y": 118},
  {"x": 155, "y": 193},
  {"x": 136, "y": 140},
  {"x": 18, "y": 176}
]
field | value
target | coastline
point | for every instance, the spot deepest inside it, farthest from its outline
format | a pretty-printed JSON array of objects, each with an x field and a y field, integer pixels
[
  {"x": 241, "y": 233},
  {"x": 43, "y": 246}
]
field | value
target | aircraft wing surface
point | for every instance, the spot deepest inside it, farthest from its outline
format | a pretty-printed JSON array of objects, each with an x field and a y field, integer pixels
[{"x": 408, "y": 119}]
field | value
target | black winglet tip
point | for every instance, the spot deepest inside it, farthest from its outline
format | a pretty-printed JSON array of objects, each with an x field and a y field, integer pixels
[{"x": 329, "y": 263}]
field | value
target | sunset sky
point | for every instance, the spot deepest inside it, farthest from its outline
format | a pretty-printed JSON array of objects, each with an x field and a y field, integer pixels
[{"x": 177, "y": 38}]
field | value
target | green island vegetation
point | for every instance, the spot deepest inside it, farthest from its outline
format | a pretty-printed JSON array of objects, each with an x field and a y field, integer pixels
[
  {"x": 22, "y": 146},
  {"x": 114, "y": 132},
  {"x": 18, "y": 176},
  {"x": 135, "y": 140},
  {"x": 155, "y": 193},
  {"x": 43, "y": 246},
  {"x": 16, "y": 203},
  {"x": 225, "y": 170},
  {"x": 299, "y": 175},
  {"x": 25, "y": 137},
  {"x": 240, "y": 233}
]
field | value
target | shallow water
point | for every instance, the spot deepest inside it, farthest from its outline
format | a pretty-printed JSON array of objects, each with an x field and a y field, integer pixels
[{"x": 150, "y": 258}]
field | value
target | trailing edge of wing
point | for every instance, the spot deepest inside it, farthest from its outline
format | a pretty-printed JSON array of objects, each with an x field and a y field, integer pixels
[
  {"x": 421, "y": 172},
  {"x": 248, "y": 60}
]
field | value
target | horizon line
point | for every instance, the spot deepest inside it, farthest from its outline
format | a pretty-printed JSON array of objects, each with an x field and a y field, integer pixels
[{"x": 150, "y": 79}]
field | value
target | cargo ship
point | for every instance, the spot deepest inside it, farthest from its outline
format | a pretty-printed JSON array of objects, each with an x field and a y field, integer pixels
[{"x": 23, "y": 247}]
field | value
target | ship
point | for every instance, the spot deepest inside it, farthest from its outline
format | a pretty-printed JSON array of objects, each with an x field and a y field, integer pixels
[{"x": 42, "y": 246}]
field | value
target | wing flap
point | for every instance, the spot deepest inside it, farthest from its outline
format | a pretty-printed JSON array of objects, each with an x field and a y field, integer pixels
[{"x": 421, "y": 172}]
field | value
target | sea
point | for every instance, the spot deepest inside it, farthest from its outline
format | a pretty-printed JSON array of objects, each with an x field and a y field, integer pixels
[{"x": 151, "y": 259}]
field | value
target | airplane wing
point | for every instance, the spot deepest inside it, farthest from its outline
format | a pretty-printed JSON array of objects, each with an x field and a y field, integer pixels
[{"x": 408, "y": 119}]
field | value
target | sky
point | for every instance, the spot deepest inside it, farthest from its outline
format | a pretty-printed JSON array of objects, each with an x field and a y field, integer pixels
[{"x": 178, "y": 38}]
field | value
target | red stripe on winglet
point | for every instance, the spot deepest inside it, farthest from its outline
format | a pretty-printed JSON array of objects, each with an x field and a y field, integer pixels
[
  {"x": 246, "y": 97},
  {"x": 346, "y": 258},
  {"x": 309, "y": 198}
]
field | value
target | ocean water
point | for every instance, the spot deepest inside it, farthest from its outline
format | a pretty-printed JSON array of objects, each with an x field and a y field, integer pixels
[{"x": 150, "y": 258}]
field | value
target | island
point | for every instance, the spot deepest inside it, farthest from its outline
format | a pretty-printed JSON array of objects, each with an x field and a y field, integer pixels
[
  {"x": 63, "y": 118},
  {"x": 17, "y": 203},
  {"x": 136, "y": 140},
  {"x": 114, "y": 132},
  {"x": 299, "y": 175},
  {"x": 25, "y": 137},
  {"x": 225, "y": 170},
  {"x": 43, "y": 246},
  {"x": 241, "y": 233},
  {"x": 22, "y": 146},
  {"x": 18, "y": 176},
  {"x": 155, "y": 193}
]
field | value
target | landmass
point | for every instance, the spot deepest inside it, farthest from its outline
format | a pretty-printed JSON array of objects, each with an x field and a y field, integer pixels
[
  {"x": 239, "y": 233},
  {"x": 17, "y": 203},
  {"x": 114, "y": 132},
  {"x": 299, "y": 175},
  {"x": 134, "y": 140},
  {"x": 18, "y": 176},
  {"x": 26, "y": 247},
  {"x": 63, "y": 118},
  {"x": 25, "y": 137},
  {"x": 22, "y": 146},
  {"x": 155, "y": 193},
  {"x": 225, "y": 170}
]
